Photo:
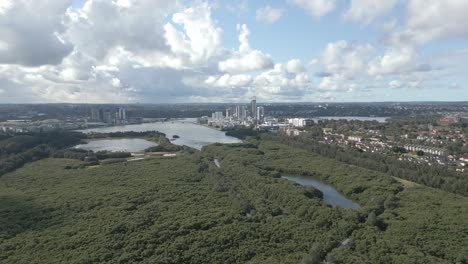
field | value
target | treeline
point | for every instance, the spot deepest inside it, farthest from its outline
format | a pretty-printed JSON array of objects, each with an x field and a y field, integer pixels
[
  {"x": 416, "y": 120},
  {"x": 164, "y": 145},
  {"x": 17, "y": 150},
  {"x": 432, "y": 176},
  {"x": 83, "y": 155},
  {"x": 126, "y": 134},
  {"x": 259, "y": 195},
  {"x": 182, "y": 210},
  {"x": 241, "y": 133},
  {"x": 395, "y": 224}
]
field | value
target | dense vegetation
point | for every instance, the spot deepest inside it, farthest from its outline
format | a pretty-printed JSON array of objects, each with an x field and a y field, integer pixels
[
  {"x": 433, "y": 176},
  {"x": 241, "y": 133},
  {"x": 17, "y": 150},
  {"x": 160, "y": 211},
  {"x": 415, "y": 224},
  {"x": 128, "y": 134},
  {"x": 188, "y": 210}
]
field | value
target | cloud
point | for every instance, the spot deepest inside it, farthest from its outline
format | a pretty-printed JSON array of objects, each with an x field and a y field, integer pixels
[
  {"x": 364, "y": 11},
  {"x": 454, "y": 86},
  {"x": 395, "y": 60},
  {"x": 189, "y": 40},
  {"x": 294, "y": 66},
  {"x": 227, "y": 80},
  {"x": 44, "y": 84},
  {"x": 315, "y": 8},
  {"x": 429, "y": 20},
  {"x": 245, "y": 59},
  {"x": 118, "y": 51},
  {"x": 201, "y": 40},
  {"x": 5, "y": 5},
  {"x": 395, "y": 84},
  {"x": 337, "y": 83},
  {"x": 128, "y": 51},
  {"x": 238, "y": 7},
  {"x": 345, "y": 58},
  {"x": 279, "y": 83},
  {"x": 101, "y": 25},
  {"x": 269, "y": 14},
  {"x": 342, "y": 62},
  {"x": 31, "y": 37}
]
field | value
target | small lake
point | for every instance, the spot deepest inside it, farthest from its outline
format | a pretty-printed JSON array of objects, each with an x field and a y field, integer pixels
[
  {"x": 359, "y": 118},
  {"x": 190, "y": 133},
  {"x": 124, "y": 144},
  {"x": 330, "y": 195}
]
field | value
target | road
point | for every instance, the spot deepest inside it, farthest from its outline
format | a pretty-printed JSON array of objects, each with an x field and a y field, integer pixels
[{"x": 216, "y": 162}]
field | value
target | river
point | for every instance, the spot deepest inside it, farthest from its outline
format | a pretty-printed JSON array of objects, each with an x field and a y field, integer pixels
[
  {"x": 190, "y": 134},
  {"x": 123, "y": 144},
  {"x": 330, "y": 195}
]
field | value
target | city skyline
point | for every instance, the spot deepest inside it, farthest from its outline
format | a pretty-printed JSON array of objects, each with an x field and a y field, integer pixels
[{"x": 129, "y": 51}]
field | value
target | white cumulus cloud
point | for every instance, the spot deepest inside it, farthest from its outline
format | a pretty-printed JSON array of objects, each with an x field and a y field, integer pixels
[
  {"x": 394, "y": 84},
  {"x": 316, "y": 8},
  {"x": 227, "y": 80},
  {"x": 31, "y": 37},
  {"x": 346, "y": 58},
  {"x": 365, "y": 11},
  {"x": 269, "y": 14},
  {"x": 245, "y": 59},
  {"x": 395, "y": 60},
  {"x": 200, "y": 41},
  {"x": 429, "y": 20}
]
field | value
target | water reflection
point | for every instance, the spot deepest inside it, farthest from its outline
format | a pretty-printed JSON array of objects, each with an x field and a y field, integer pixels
[
  {"x": 124, "y": 144},
  {"x": 190, "y": 134},
  {"x": 330, "y": 195}
]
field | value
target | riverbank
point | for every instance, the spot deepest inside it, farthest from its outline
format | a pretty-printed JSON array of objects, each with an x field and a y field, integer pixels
[
  {"x": 190, "y": 134},
  {"x": 224, "y": 204}
]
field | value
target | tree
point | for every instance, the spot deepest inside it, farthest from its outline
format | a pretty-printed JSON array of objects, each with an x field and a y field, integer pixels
[
  {"x": 372, "y": 219},
  {"x": 314, "y": 257},
  {"x": 391, "y": 202}
]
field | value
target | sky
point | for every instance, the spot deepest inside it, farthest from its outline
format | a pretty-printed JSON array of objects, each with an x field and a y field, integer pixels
[{"x": 170, "y": 51}]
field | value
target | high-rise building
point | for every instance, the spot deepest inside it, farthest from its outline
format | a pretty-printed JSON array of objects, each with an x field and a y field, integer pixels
[
  {"x": 228, "y": 112},
  {"x": 97, "y": 114},
  {"x": 122, "y": 114},
  {"x": 101, "y": 114},
  {"x": 237, "y": 112},
  {"x": 242, "y": 113},
  {"x": 217, "y": 116},
  {"x": 260, "y": 114},
  {"x": 107, "y": 117},
  {"x": 94, "y": 114},
  {"x": 253, "y": 107}
]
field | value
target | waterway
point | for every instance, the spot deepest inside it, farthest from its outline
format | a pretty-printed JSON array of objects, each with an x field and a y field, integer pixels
[
  {"x": 330, "y": 195},
  {"x": 190, "y": 134},
  {"x": 123, "y": 144}
]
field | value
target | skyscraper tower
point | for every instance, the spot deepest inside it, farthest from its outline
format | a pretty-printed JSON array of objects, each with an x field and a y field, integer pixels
[
  {"x": 122, "y": 114},
  {"x": 253, "y": 105},
  {"x": 260, "y": 114}
]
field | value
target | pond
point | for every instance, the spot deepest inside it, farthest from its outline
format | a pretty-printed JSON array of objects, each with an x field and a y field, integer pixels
[
  {"x": 124, "y": 144},
  {"x": 188, "y": 132},
  {"x": 330, "y": 195}
]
